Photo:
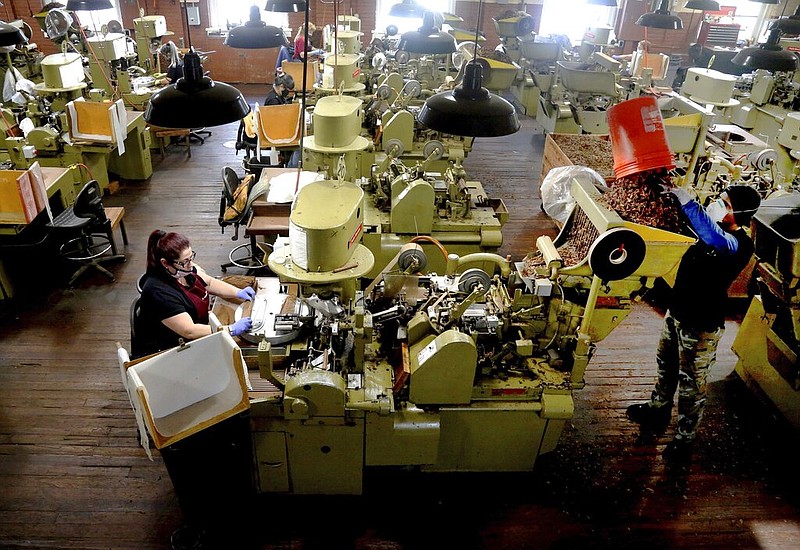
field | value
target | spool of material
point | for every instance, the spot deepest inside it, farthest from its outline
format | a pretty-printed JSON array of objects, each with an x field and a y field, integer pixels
[{"x": 638, "y": 139}]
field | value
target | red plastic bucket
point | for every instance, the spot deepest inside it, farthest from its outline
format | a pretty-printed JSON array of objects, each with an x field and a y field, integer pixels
[{"x": 638, "y": 139}]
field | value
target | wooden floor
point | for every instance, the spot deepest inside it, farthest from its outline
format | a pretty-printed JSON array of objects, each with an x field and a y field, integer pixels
[{"x": 73, "y": 476}]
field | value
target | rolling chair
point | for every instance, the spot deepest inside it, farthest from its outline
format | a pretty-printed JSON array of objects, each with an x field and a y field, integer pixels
[
  {"x": 87, "y": 233},
  {"x": 136, "y": 311},
  {"x": 244, "y": 255}
]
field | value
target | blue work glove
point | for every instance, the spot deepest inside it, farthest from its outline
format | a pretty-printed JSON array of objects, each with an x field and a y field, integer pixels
[
  {"x": 680, "y": 193},
  {"x": 241, "y": 326},
  {"x": 246, "y": 294}
]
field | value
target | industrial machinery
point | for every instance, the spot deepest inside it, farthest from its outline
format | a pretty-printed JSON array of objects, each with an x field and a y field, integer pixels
[
  {"x": 468, "y": 370},
  {"x": 768, "y": 341},
  {"x": 390, "y": 117},
  {"x": 417, "y": 204},
  {"x": 41, "y": 132},
  {"x": 538, "y": 67},
  {"x": 579, "y": 96}
]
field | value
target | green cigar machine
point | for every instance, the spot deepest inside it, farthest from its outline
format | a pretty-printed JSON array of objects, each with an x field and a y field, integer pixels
[
  {"x": 768, "y": 341},
  {"x": 465, "y": 370}
]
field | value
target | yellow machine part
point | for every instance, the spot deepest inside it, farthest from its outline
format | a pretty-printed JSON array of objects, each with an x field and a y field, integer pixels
[
  {"x": 442, "y": 369},
  {"x": 765, "y": 362}
]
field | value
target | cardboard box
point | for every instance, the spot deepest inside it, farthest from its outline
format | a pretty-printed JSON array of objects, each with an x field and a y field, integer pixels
[
  {"x": 17, "y": 199},
  {"x": 185, "y": 390}
]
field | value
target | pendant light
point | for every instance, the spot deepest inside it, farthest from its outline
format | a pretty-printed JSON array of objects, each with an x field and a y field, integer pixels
[
  {"x": 195, "y": 100},
  {"x": 407, "y": 8},
  {"x": 255, "y": 34},
  {"x": 11, "y": 35},
  {"x": 470, "y": 109},
  {"x": 661, "y": 18},
  {"x": 788, "y": 25},
  {"x": 89, "y": 5},
  {"x": 768, "y": 56},
  {"x": 428, "y": 39},
  {"x": 702, "y": 5},
  {"x": 285, "y": 6},
  {"x": 609, "y": 3}
]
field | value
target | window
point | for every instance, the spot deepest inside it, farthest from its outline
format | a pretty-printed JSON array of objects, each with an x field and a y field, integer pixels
[
  {"x": 747, "y": 14},
  {"x": 230, "y": 13},
  {"x": 94, "y": 20},
  {"x": 404, "y": 24},
  {"x": 573, "y": 17}
]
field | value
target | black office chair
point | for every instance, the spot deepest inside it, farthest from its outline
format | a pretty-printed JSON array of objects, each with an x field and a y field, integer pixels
[
  {"x": 245, "y": 143},
  {"x": 86, "y": 233},
  {"x": 244, "y": 256},
  {"x": 136, "y": 310},
  {"x": 197, "y": 134}
]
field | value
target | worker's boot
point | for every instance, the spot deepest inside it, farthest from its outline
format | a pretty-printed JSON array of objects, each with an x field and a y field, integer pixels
[{"x": 650, "y": 418}]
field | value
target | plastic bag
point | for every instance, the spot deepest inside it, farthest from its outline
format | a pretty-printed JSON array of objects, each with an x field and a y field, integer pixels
[{"x": 557, "y": 200}]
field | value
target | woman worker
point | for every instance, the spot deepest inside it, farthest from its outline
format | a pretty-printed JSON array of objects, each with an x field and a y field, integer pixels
[
  {"x": 301, "y": 48},
  {"x": 175, "y": 297}
]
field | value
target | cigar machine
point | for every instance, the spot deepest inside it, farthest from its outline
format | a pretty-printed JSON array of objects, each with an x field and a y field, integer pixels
[{"x": 768, "y": 341}]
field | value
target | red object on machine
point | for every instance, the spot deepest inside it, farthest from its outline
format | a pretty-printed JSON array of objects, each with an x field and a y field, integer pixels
[{"x": 638, "y": 139}]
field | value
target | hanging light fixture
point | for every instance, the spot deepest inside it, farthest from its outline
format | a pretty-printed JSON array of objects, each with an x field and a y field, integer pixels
[
  {"x": 768, "y": 56},
  {"x": 255, "y": 34},
  {"x": 767, "y": 1},
  {"x": 661, "y": 18},
  {"x": 285, "y": 6},
  {"x": 470, "y": 109},
  {"x": 89, "y": 5},
  {"x": 11, "y": 35},
  {"x": 610, "y": 3},
  {"x": 428, "y": 39},
  {"x": 788, "y": 25},
  {"x": 407, "y": 8},
  {"x": 702, "y": 5},
  {"x": 195, "y": 100}
]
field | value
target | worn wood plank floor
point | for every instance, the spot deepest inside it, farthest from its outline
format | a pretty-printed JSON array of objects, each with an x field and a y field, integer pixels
[{"x": 73, "y": 476}]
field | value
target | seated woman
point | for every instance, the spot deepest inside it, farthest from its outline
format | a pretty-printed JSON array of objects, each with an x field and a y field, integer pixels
[
  {"x": 174, "y": 63},
  {"x": 175, "y": 300}
]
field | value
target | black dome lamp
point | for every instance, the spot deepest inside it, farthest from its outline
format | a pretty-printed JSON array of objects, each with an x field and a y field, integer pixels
[
  {"x": 89, "y": 5},
  {"x": 768, "y": 56},
  {"x": 255, "y": 34},
  {"x": 788, "y": 25},
  {"x": 470, "y": 109},
  {"x": 11, "y": 36},
  {"x": 407, "y": 8},
  {"x": 285, "y": 6},
  {"x": 428, "y": 39},
  {"x": 661, "y": 18},
  {"x": 195, "y": 100},
  {"x": 702, "y": 5}
]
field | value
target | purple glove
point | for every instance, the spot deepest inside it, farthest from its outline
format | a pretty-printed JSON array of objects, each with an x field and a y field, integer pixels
[
  {"x": 241, "y": 326},
  {"x": 246, "y": 294}
]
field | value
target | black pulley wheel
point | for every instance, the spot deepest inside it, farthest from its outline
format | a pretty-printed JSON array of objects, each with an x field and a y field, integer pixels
[{"x": 617, "y": 254}]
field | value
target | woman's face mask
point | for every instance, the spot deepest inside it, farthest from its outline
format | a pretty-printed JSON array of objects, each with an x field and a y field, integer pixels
[
  {"x": 717, "y": 210},
  {"x": 181, "y": 273}
]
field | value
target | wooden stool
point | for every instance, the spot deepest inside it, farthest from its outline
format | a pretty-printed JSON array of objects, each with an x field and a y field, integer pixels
[{"x": 115, "y": 215}]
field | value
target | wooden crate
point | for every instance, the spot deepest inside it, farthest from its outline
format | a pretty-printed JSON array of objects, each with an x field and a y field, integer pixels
[{"x": 554, "y": 157}]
